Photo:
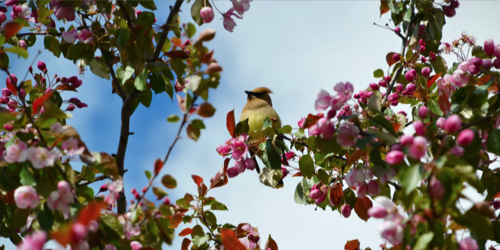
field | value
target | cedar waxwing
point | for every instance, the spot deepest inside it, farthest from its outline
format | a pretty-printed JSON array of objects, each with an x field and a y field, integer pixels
[{"x": 259, "y": 107}]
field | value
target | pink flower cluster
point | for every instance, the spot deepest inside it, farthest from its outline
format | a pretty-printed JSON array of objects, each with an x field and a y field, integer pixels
[
  {"x": 39, "y": 157},
  {"x": 325, "y": 101},
  {"x": 240, "y": 7},
  {"x": 238, "y": 149},
  {"x": 61, "y": 198},
  {"x": 318, "y": 192},
  {"x": 392, "y": 228},
  {"x": 26, "y": 197},
  {"x": 63, "y": 10},
  {"x": 357, "y": 178},
  {"x": 33, "y": 242},
  {"x": 84, "y": 36},
  {"x": 114, "y": 189}
]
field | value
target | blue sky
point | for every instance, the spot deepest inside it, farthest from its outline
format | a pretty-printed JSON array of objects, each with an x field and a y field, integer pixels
[{"x": 293, "y": 47}]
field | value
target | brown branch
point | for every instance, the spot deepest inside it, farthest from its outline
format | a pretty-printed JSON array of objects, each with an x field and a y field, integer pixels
[
  {"x": 468, "y": 125},
  {"x": 165, "y": 29},
  {"x": 39, "y": 34},
  {"x": 403, "y": 48},
  {"x": 115, "y": 80},
  {"x": 395, "y": 185},
  {"x": 96, "y": 179}
]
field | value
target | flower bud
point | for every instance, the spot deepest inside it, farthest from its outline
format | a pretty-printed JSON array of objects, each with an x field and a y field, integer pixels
[
  {"x": 495, "y": 204},
  {"x": 496, "y": 51},
  {"x": 6, "y": 92},
  {"x": 284, "y": 171},
  {"x": 23, "y": 44},
  {"x": 487, "y": 64},
  {"x": 409, "y": 76},
  {"x": 377, "y": 212},
  {"x": 399, "y": 87},
  {"x": 93, "y": 226},
  {"x": 489, "y": 47},
  {"x": 207, "y": 14},
  {"x": 402, "y": 112},
  {"x": 70, "y": 107},
  {"x": 395, "y": 103},
  {"x": 437, "y": 189},
  {"x": 406, "y": 140},
  {"x": 410, "y": 87},
  {"x": 4, "y": 100},
  {"x": 387, "y": 78},
  {"x": 346, "y": 210},
  {"x": 166, "y": 201},
  {"x": 426, "y": 72},
  {"x": 30, "y": 69},
  {"x": 419, "y": 128},
  {"x": 373, "y": 187},
  {"x": 440, "y": 122},
  {"x": 465, "y": 137},
  {"x": 496, "y": 63},
  {"x": 397, "y": 30},
  {"x": 423, "y": 112},
  {"x": 395, "y": 57},
  {"x": 422, "y": 48},
  {"x": 393, "y": 97},
  {"x": 79, "y": 231},
  {"x": 41, "y": 66},
  {"x": 382, "y": 83},
  {"x": 22, "y": 93},
  {"x": 449, "y": 11},
  {"x": 137, "y": 196},
  {"x": 232, "y": 172},
  {"x": 396, "y": 147},
  {"x": 473, "y": 69},
  {"x": 3, "y": 17},
  {"x": 477, "y": 61},
  {"x": 103, "y": 188},
  {"x": 8, "y": 126},
  {"x": 133, "y": 191},
  {"x": 331, "y": 114},
  {"x": 374, "y": 86},
  {"x": 394, "y": 157},
  {"x": 361, "y": 191},
  {"x": 250, "y": 163},
  {"x": 452, "y": 124}
]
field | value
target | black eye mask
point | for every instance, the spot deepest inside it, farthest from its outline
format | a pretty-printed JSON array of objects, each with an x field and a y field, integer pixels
[{"x": 250, "y": 93}]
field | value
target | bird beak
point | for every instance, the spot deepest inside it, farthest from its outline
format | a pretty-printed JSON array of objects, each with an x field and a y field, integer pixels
[{"x": 249, "y": 93}]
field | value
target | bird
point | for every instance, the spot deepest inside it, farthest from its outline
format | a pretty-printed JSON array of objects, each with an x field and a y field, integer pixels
[{"x": 259, "y": 107}]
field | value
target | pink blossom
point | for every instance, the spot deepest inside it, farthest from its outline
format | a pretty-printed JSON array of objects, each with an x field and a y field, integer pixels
[
  {"x": 337, "y": 102},
  {"x": 70, "y": 147},
  {"x": 459, "y": 78},
  {"x": 392, "y": 231},
  {"x": 241, "y": 166},
  {"x": 419, "y": 128},
  {"x": 207, "y": 14},
  {"x": 423, "y": 112},
  {"x": 437, "y": 189},
  {"x": 323, "y": 101},
  {"x": 452, "y": 124},
  {"x": 14, "y": 152},
  {"x": 229, "y": 22},
  {"x": 373, "y": 188},
  {"x": 356, "y": 177},
  {"x": 361, "y": 191},
  {"x": 347, "y": 134},
  {"x": 69, "y": 36},
  {"x": 446, "y": 85},
  {"x": 34, "y": 241},
  {"x": 346, "y": 210},
  {"x": 418, "y": 148},
  {"x": 41, "y": 157},
  {"x": 468, "y": 244},
  {"x": 60, "y": 199},
  {"x": 223, "y": 150},
  {"x": 345, "y": 90},
  {"x": 394, "y": 157},
  {"x": 318, "y": 193},
  {"x": 377, "y": 212},
  {"x": 241, "y": 6},
  {"x": 135, "y": 245},
  {"x": 85, "y": 36},
  {"x": 465, "y": 137},
  {"x": 458, "y": 151},
  {"x": 284, "y": 171},
  {"x": 114, "y": 189},
  {"x": 290, "y": 155},
  {"x": 323, "y": 127},
  {"x": 250, "y": 163},
  {"x": 440, "y": 122},
  {"x": 239, "y": 149},
  {"x": 26, "y": 197},
  {"x": 65, "y": 11},
  {"x": 388, "y": 176},
  {"x": 109, "y": 247}
]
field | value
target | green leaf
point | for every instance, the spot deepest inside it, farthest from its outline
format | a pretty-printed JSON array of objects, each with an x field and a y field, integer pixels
[
  {"x": 423, "y": 241},
  {"x": 111, "y": 227},
  {"x": 168, "y": 85},
  {"x": 387, "y": 138},
  {"x": 169, "y": 182},
  {"x": 211, "y": 219},
  {"x": 350, "y": 197},
  {"x": 195, "y": 10},
  {"x": 88, "y": 174},
  {"x": 218, "y": 206},
  {"x": 410, "y": 177},
  {"x": 99, "y": 68},
  {"x": 52, "y": 45},
  {"x": 148, "y": 174},
  {"x": 45, "y": 217},
  {"x": 483, "y": 89},
  {"x": 299, "y": 195},
  {"x": 197, "y": 123},
  {"x": 374, "y": 102},
  {"x": 148, "y": 4},
  {"x": 124, "y": 75},
  {"x": 267, "y": 124},
  {"x": 20, "y": 217},
  {"x": 407, "y": 16},
  {"x": 173, "y": 118},
  {"x": 123, "y": 36},
  {"x": 271, "y": 158},
  {"x": 146, "y": 19},
  {"x": 18, "y": 51},
  {"x": 323, "y": 176},
  {"x": 494, "y": 141},
  {"x": 439, "y": 65},
  {"x": 270, "y": 177},
  {"x": 140, "y": 81},
  {"x": 157, "y": 83},
  {"x": 200, "y": 240},
  {"x": 190, "y": 30},
  {"x": 146, "y": 97},
  {"x": 384, "y": 123},
  {"x": 378, "y": 73},
  {"x": 27, "y": 178},
  {"x": 2, "y": 40},
  {"x": 242, "y": 127},
  {"x": 306, "y": 166},
  {"x": 287, "y": 129},
  {"x": 478, "y": 51},
  {"x": 179, "y": 68}
]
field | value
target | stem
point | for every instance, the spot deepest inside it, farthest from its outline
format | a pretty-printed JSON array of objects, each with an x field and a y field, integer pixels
[
  {"x": 99, "y": 178},
  {"x": 115, "y": 80},
  {"x": 165, "y": 29},
  {"x": 403, "y": 48}
]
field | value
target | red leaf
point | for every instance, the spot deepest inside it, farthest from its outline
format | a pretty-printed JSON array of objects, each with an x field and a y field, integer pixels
[
  {"x": 175, "y": 220},
  {"x": 205, "y": 110},
  {"x": 298, "y": 174},
  {"x": 497, "y": 195},
  {"x": 177, "y": 54},
  {"x": 271, "y": 244},
  {"x": 158, "y": 166},
  {"x": 336, "y": 195},
  {"x": 354, "y": 157},
  {"x": 202, "y": 190},
  {"x": 310, "y": 120},
  {"x": 186, "y": 232},
  {"x": 231, "y": 124},
  {"x": 352, "y": 245},
  {"x": 389, "y": 55},
  {"x": 444, "y": 103},
  {"x": 384, "y": 7},
  {"x": 9, "y": 197},
  {"x": 38, "y": 103},
  {"x": 176, "y": 41},
  {"x": 67, "y": 87},
  {"x": 220, "y": 179},
  {"x": 432, "y": 80},
  {"x": 12, "y": 87},
  {"x": 90, "y": 212},
  {"x": 230, "y": 241},
  {"x": 483, "y": 80},
  {"x": 197, "y": 179},
  {"x": 63, "y": 235},
  {"x": 396, "y": 126},
  {"x": 362, "y": 206},
  {"x": 185, "y": 244},
  {"x": 11, "y": 28}
]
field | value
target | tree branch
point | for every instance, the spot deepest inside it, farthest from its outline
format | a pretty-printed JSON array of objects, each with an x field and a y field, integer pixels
[
  {"x": 403, "y": 48},
  {"x": 96, "y": 179},
  {"x": 125, "y": 13},
  {"x": 115, "y": 80},
  {"x": 166, "y": 29}
]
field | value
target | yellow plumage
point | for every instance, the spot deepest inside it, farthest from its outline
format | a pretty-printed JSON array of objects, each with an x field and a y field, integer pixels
[{"x": 259, "y": 107}]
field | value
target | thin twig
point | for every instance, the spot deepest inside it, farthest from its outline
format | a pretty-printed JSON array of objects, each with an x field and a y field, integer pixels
[
  {"x": 115, "y": 80},
  {"x": 96, "y": 179},
  {"x": 395, "y": 185},
  {"x": 39, "y": 34},
  {"x": 165, "y": 29}
]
